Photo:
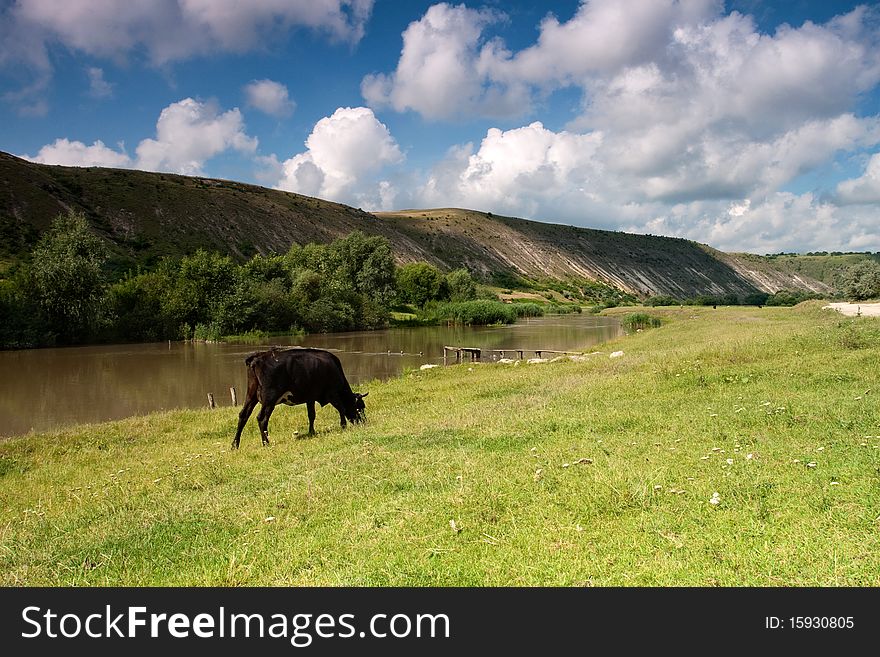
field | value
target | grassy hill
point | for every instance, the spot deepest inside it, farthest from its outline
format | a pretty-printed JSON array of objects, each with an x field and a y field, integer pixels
[
  {"x": 824, "y": 267},
  {"x": 489, "y": 475},
  {"x": 145, "y": 216}
]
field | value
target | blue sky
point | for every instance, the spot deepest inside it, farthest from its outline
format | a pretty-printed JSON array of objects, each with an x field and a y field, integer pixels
[{"x": 746, "y": 125}]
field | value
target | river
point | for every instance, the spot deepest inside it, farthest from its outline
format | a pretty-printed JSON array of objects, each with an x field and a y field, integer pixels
[{"x": 46, "y": 389}]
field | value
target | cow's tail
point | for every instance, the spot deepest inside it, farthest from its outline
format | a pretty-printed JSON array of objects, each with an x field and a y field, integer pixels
[{"x": 254, "y": 372}]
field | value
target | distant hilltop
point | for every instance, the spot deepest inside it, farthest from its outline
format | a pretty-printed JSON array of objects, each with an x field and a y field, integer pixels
[{"x": 145, "y": 216}]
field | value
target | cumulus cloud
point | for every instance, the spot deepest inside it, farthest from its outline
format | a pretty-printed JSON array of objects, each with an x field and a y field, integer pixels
[
  {"x": 77, "y": 154},
  {"x": 164, "y": 30},
  {"x": 188, "y": 133},
  {"x": 865, "y": 188},
  {"x": 529, "y": 170},
  {"x": 176, "y": 29},
  {"x": 687, "y": 111},
  {"x": 270, "y": 97},
  {"x": 780, "y": 222},
  {"x": 440, "y": 73},
  {"x": 344, "y": 153},
  {"x": 603, "y": 37}
]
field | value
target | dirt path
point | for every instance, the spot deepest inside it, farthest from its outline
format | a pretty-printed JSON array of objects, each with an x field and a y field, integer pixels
[{"x": 855, "y": 309}]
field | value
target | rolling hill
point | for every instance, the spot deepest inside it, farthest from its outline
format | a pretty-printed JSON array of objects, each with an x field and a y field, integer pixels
[{"x": 145, "y": 216}]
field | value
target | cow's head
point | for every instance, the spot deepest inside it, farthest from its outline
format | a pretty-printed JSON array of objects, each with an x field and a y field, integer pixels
[{"x": 360, "y": 409}]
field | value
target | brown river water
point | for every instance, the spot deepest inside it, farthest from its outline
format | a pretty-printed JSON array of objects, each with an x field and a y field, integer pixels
[{"x": 46, "y": 389}]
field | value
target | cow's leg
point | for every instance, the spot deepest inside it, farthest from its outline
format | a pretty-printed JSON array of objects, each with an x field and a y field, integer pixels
[
  {"x": 310, "y": 407},
  {"x": 339, "y": 407},
  {"x": 263, "y": 419},
  {"x": 243, "y": 417},
  {"x": 251, "y": 398}
]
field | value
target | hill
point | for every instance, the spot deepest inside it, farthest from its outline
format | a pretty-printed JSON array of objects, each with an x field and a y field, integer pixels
[{"x": 145, "y": 216}]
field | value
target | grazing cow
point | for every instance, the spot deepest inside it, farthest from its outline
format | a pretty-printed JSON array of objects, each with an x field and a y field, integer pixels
[{"x": 297, "y": 376}]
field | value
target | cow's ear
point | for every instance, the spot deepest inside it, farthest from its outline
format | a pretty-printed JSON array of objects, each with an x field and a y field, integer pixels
[{"x": 364, "y": 395}]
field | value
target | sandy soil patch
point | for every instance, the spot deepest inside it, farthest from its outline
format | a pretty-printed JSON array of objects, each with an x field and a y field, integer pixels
[{"x": 856, "y": 309}]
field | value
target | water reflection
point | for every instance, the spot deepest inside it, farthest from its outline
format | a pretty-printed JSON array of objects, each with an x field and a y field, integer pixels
[{"x": 43, "y": 389}]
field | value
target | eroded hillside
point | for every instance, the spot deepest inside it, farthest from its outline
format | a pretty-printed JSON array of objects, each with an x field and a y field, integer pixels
[{"x": 145, "y": 216}]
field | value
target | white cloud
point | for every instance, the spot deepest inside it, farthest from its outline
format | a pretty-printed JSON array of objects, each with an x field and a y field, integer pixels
[
  {"x": 163, "y": 30},
  {"x": 687, "y": 112},
  {"x": 603, "y": 37},
  {"x": 77, "y": 154},
  {"x": 864, "y": 189},
  {"x": 345, "y": 152},
  {"x": 98, "y": 86},
  {"x": 440, "y": 74},
  {"x": 781, "y": 222},
  {"x": 531, "y": 170},
  {"x": 270, "y": 97},
  {"x": 190, "y": 132},
  {"x": 176, "y": 29}
]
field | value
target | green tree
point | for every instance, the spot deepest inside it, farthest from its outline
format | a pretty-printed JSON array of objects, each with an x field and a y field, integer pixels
[
  {"x": 21, "y": 319},
  {"x": 461, "y": 285},
  {"x": 364, "y": 265},
  {"x": 203, "y": 285},
  {"x": 861, "y": 281},
  {"x": 418, "y": 283},
  {"x": 69, "y": 281},
  {"x": 135, "y": 306}
]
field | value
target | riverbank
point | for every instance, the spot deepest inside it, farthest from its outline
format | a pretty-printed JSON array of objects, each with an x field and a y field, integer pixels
[{"x": 596, "y": 472}]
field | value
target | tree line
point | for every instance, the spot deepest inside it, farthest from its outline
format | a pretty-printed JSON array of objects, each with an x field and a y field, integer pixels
[{"x": 64, "y": 294}]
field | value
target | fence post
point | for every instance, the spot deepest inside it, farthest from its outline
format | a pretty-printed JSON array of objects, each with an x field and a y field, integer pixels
[{"x": 210, "y": 400}]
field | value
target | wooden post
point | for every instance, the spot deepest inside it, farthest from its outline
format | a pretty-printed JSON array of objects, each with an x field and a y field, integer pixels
[
  {"x": 210, "y": 400},
  {"x": 444, "y": 357},
  {"x": 519, "y": 351},
  {"x": 234, "y": 398},
  {"x": 478, "y": 354}
]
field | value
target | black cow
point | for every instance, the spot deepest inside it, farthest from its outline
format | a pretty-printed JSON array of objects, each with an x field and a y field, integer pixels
[{"x": 297, "y": 376}]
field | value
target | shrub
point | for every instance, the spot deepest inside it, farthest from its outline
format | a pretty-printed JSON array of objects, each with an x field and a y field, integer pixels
[
  {"x": 418, "y": 283},
  {"x": 662, "y": 300},
  {"x": 636, "y": 321},
  {"x": 861, "y": 281},
  {"x": 207, "y": 333},
  {"x": 477, "y": 312},
  {"x": 528, "y": 310},
  {"x": 461, "y": 285}
]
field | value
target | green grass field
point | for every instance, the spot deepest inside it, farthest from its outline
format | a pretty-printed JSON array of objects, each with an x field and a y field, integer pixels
[{"x": 598, "y": 472}]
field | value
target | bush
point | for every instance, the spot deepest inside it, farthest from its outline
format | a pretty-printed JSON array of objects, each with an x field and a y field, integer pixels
[
  {"x": 461, "y": 286},
  {"x": 636, "y": 321},
  {"x": 563, "y": 309},
  {"x": 68, "y": 277},
  {"x": 861, "y": 281},
  {"x": 418, "y": 283},
  {"x": 477, "y": 312},
  {"x": 662, "y": 300},
  {"x": 207, "y": 333},
  {"x": 527, "y": 309}
]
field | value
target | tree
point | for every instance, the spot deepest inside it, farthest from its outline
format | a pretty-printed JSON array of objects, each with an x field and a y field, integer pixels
[
  {"x": 862, "y": 281},
  {"x": 68, "y": 276},
  {"x": 202, "y": 287},
  {"x": 419, "y": 283},
  {"x": 461, "y": 286},
  {"x": 364, "y": 265}
]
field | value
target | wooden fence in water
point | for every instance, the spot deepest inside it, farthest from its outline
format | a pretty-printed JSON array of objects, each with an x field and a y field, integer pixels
[{"x": 476, "y": 353}]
